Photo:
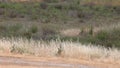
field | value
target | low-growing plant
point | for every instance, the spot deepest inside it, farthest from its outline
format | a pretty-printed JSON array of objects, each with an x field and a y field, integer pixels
[
  {"x": 48, "y": 32},
  {"x": 109, "y": 38},
  {"x": 27, "y": 34},
  {"x": 43, "y": 5},
  {"x": 33, "y": 29}
]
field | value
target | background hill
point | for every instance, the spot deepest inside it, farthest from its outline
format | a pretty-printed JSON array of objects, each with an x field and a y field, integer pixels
[{"x": 86, "y": 21}]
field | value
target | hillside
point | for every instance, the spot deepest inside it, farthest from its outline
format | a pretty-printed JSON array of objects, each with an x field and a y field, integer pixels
[{"x": 52, "y": 19}]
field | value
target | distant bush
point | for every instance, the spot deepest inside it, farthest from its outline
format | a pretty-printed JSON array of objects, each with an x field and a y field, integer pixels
[
  {"x": 109, "y": 39},
  {"x": 106, "y": 38},
  {"x": 27, "y": 34},
  {"x": 43, "y": 5},
  {"x": 33, "y": 29},
  {"x": 10, "y": 30},
  {"x": 48, "y": 32},
  {"x": 17, "y": 30}
]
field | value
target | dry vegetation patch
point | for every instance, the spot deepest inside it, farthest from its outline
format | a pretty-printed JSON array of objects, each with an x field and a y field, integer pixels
[{"x": 59, "y": 48}]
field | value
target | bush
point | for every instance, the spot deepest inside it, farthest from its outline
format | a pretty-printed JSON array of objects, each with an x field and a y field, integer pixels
[
  {"x": 108, "y": 38},
  {"x": 33, "y": 29},
  {"x": 10, "y": 30},
  {"x": 27, "y": 34},
  {"x": 3, "y": 28},
  {"x": 17, "y": 30},
  {"x": 43, "y": 5},
  {"x": 48, "y": 32}
]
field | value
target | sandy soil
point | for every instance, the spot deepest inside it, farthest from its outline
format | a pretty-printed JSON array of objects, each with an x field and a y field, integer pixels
[{"x": 26, "y": 61}]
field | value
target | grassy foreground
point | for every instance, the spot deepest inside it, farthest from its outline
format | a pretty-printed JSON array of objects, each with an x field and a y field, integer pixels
[
  {"x": 96, "y": 22},
  {"x": 58, "y": 48}
]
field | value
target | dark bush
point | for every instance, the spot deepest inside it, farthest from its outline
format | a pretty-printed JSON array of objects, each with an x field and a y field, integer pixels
[
  {"x": 48, "y": 32},
  {"x": 2, "y": 11},
  {"x": 27, "y": 35},
  {"x": 43, "y": 5},
  {"x": 12, "y": 14},
  {"x": 3, "y": 28},
  {"x": 33, "y": 29},
  {"x": 108, "y": 38}
]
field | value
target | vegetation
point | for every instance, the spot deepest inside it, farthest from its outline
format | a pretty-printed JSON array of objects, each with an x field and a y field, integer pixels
[
  {"x": 58, "y": 48},
  {"x": 57, "y": 11},
  {"x": 53, "y": 16}
]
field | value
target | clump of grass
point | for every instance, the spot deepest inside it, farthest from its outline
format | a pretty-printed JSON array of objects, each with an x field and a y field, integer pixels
[{"x": 18, "y": 49}]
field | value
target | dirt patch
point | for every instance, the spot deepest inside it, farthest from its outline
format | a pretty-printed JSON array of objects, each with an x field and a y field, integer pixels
[
  {"x": 70, "y": 32},
  {"x": 18, "y": 61}
]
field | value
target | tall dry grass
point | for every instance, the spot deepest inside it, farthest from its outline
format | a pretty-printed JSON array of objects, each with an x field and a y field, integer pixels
[{"x": 58, "y": 48}]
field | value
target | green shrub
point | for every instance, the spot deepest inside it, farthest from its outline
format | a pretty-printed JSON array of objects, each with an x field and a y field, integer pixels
[
  {"x": 17, "y": 30},
  {"x": 10, "y": 30},
  {"x": 108, "y": 38},
  {"x": 33, "y": 29},
  {"x": 102, "y": 35},
  {"x": 48, "y": 32}
]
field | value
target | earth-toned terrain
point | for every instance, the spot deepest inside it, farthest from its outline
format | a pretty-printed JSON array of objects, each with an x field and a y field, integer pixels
[{"x": 22, "y": 61}]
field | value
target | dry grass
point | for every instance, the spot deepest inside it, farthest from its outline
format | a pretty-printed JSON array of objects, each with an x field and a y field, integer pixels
[{"x": 52, "y": 49}]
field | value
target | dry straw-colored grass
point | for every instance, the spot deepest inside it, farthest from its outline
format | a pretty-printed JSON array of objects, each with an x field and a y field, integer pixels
[{"x": 58, "y": 48}]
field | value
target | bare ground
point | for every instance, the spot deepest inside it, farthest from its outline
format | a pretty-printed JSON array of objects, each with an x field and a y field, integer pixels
[{"x": 22, "y": 61}]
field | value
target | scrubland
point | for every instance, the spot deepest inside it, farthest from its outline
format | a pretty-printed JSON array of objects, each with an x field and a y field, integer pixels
[{"x": 71, "y": 28}]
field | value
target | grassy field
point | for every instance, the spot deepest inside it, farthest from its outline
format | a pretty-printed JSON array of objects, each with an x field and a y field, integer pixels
[
  {"x": 86, "y": 21},
  {"x": 57, "y": 48},
  {"x": 108, "y": 2}
]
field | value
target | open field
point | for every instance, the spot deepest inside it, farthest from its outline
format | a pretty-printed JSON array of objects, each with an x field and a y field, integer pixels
[
  {"x": 32, "y": 20},
  {"x": 102, "y": 2},
  {"x": 66, "y": 33}
]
